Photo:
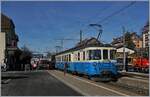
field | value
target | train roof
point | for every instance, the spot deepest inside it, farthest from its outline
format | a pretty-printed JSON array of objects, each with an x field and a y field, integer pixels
[{"x": 93, "y": 42}]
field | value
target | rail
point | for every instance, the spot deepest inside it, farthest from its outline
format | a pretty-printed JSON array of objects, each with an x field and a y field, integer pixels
[{"x": 134, "y": 74}]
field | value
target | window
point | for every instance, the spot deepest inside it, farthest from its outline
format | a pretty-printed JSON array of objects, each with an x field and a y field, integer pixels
[
  {"x": 83, "y": 55},
  {"x": 105, "y": 54},
  {"x": 69, "y": 57},
  {"x": 78, "y": 56},
  {"x": 112, "y": 54},
  {"x": 62, "y": 58},
  {"x": 94, "y": 54},
  {"x": 65, "y": 58}
]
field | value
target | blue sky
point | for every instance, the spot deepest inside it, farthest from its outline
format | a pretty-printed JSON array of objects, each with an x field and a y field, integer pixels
[{"x": 39, "y": 24}]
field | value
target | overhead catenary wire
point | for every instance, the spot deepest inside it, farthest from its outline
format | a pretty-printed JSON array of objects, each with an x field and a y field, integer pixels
[
  {"x": 84, "y": 26},
  {"x": 117, "y": 12},
  {"x": 109, "y": 16},
  {"x": 114, "y": 13}
]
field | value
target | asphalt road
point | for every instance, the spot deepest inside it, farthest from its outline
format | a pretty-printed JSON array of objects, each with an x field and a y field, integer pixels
[{"x": 37, "y": 83}]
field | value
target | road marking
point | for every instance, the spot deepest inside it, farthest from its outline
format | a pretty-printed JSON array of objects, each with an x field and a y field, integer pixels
[
  {"x": 102, "y": 87},
  {"x": 99, "y": 86}
]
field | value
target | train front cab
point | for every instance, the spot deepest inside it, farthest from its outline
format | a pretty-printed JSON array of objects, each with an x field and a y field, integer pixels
[{"x": 101, "y": 63}]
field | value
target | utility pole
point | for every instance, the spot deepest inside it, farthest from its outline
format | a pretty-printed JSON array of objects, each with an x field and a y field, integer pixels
[
  {"x": 124, "y": 53},
  {"x": 81, "y": 35}
]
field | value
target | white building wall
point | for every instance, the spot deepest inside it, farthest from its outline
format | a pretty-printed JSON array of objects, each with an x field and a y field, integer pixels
[
  {"x": 143, "y": 40},
  {"x": 2, "y": 46}
]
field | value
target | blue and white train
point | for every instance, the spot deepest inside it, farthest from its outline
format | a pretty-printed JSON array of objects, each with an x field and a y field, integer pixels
[{"x": 93, "y": 61}]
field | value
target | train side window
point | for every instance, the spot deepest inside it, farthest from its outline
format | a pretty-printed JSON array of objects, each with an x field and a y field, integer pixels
[
  {"x": 78, "y": 56},
  {"x": 87, "y": 55},
  {"x": 62, "y": 58},
  {"x": 105, "y": 54},
  {"x": 74, "y": 57},
  {"x": 90, "y": 57},
  {"x": 83, "y": 55},
  {"x": 69, "y": 57},
  {"x": 66, "y": 57}
]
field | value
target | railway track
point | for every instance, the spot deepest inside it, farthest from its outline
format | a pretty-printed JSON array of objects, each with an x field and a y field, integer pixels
[
  {"x": 138, "y": 89},
  {"x": 138, "y": 76},
  {"x": 133, "y": 82}
]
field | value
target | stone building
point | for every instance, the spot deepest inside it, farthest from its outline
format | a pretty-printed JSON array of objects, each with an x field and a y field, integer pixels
[{"x": 10, "y": 40}]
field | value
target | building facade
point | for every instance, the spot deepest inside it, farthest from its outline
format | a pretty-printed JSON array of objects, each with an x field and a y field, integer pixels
[
  {"x": 118, "y": 42},
  {"x": 145, "y": 36},
  {"x": 137, "y": 40},
  {"x": 10, "y": 40}
]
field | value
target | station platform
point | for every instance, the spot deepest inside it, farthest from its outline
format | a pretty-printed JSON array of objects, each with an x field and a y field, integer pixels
[{"x": 90, "y": 88}]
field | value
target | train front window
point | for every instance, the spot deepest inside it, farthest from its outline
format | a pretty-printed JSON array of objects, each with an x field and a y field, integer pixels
[
  {"x": 112, "y": 54},
  {"x": 105, "y": 54},
  {"x": 94, "y": 54}
]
